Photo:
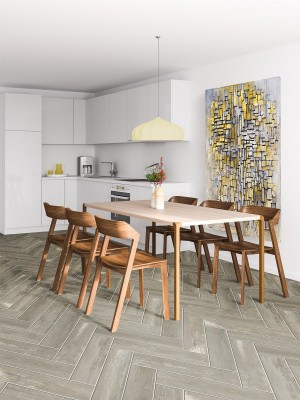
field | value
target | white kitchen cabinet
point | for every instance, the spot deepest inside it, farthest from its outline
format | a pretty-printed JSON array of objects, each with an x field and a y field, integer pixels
[
  {"x": 98, "y": 110},
  {"x": 71, "y": 194},
  {"x": 23, "y": 112},
  {"x": 53, "y": 192},
  {"x": 22, "y": 180},
  {"x": 118, "y": 117},
  {"x": 93, "y": 191},
  {"x": 174, "y": 103},
  {"x": 79, "y": 121},
  {"x": 57, "y": 121},
  {"x": 136, "y": 108}
]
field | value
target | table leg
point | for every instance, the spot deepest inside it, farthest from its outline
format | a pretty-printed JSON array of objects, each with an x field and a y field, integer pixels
[
  {"x": 177, "y": 270},
  {"x": 261, "y": 259},
  {"x": 154, "y": 238},
  {"x": 84, "y": 210}
]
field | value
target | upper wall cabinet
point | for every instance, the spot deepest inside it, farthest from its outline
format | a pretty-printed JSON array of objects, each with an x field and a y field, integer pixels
[
  {"x": 23, "y": 112},
  {"x": 57, "y": 120},
  {"x": 111, "y": 118},
  {"x": 79, "y": 121},
  {"x": 97, "y": 119},
  {"x": 64, "y": 121},
  {"x": 136, "y": 108}
]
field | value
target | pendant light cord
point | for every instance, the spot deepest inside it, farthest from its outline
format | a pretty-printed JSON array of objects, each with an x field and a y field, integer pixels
[{"x": 157, "y": 37}]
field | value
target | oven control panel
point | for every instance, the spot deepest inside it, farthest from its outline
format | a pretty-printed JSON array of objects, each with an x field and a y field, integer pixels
[{"x": 119, "y": 187}]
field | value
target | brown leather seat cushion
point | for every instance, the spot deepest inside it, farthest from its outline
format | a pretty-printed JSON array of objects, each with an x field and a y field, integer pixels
[
  {"x": 238, "y": 247},
  {"x": 203, "y": 236}
]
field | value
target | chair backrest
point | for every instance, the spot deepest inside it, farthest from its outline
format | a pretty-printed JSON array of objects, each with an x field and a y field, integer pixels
[
  {"x": 184, "y": 200},
  {"x": 81, "y": 218},
  {"x": 221, "y": 205},
  {"x": 270, "y": 214},
  {"x": 55, "y": 212},
  {"x": 116, "y": 229}
]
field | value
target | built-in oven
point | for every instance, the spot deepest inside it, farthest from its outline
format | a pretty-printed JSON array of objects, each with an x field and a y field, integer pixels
[{"x": 120, "y": 192}]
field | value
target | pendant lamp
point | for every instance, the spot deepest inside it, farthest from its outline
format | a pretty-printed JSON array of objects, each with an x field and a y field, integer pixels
[{"x": 157, "y": 129}]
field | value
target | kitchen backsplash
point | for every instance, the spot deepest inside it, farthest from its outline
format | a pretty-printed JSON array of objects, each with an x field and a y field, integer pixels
[{"x": 65, "y": 155}]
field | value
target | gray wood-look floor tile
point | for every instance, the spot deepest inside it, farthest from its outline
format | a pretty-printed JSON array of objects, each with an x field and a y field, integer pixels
[
  {"x": 140, "y": 383},
  {"x": 48, "y": 319},
  {"x": 216, "y": 389},
  {"x": 72, "y": 349},
  {"x": 295, "y": 367},
  {"x": 186, "y": 368},
  {"x": 113, "y": 377},
  {"x": 219, "y": 349},
  {"x": 91, "y": 363},
  {"x": 21, "y": 347},
  {"x": 61, "y": 330},
  {"x": 168, "y": 393},
  {"x": 16, "y": 392},
  {"x": 249, "y": 365},
  {"x": 281, "y": 378}
]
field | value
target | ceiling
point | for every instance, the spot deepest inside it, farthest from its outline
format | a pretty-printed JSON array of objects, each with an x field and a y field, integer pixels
[{"x": 92, "y": 45}]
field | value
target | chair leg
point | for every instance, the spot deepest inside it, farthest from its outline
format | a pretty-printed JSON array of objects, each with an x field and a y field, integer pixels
[
  {"x": 43, "y": 260},
  {"x": 60, "y": 267},
  {"x": 141, "y": 285},
  {"x": 108, "y": 280},
  {"x": 83, "y": 265},
  {"x": 236, "y": 267},
  {"x": 248, "y": 272},
  {"x": 96, "y": 281},
  {"x": 147, "y": 240},
  {"x": 215, "y": 270},
  {"x": 85, "y": 282},
  {"x": 165, "y": 290},
  {"x": 65, "y": 273},
  {"x": 281, "y": 273},
  {"x": 128, "y": 291},
  {"x": 243, "y": 278},
  {"x": 165, "y": 246},
  {"x": 122, "y": 294},
  {"x": 200, "y": 264},
  {"x": 208, "y": 259}
]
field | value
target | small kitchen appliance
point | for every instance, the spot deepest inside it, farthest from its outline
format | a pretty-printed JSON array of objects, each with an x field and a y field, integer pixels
[{"x": 86, "y": 166}]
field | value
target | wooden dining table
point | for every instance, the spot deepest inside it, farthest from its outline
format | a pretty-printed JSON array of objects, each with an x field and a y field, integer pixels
[{"x": 182, "y": 215}]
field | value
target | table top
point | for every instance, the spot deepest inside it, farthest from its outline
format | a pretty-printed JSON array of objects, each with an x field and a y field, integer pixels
[{"x": 187, "y": 215}]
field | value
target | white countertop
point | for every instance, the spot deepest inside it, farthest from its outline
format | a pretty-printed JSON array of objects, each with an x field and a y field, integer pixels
[{"x": 109, "y": 180}]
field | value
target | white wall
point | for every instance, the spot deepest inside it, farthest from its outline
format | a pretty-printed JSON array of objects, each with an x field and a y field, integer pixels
[
  {"x": 186, "y": 161},
  {"x": 65, "y": 155}
]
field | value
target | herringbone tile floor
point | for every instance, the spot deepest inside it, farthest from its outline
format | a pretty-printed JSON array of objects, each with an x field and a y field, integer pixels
[{"x": 49, "y": 350}]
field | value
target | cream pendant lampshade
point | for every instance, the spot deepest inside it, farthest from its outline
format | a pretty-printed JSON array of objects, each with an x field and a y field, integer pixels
[{"x": 157, "y": 129}]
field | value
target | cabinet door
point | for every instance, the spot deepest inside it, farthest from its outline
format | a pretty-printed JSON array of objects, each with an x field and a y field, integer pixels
[
  {"x": 57, "y": 121},
  {"x": 71, "y": 194},
  {"x": 181, "y": 105},
  {"x": 91, "y": 191},
  {"x": 79, "y": 121},
  {"x": 22, "y": 179},
  {"x": 164, "y": 100},
  {"x": 118, "y": 117},
  {"x": 98, "y": 120},
  {"x": 53, "y": 192},
  {"x": 23, "y": 112},
  {"x": 140, "y": 193},
  {"x": 136, "y": 108}
]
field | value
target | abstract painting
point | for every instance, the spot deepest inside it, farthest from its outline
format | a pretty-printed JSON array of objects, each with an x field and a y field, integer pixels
[{"x": 243, "y": 144}]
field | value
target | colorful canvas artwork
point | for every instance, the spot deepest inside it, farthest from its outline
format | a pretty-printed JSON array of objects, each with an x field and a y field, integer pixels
[{"x": 243, "y": 144}]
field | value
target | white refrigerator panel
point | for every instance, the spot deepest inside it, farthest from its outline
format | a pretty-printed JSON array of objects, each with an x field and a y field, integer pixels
[{"x": 23, "y": 166}]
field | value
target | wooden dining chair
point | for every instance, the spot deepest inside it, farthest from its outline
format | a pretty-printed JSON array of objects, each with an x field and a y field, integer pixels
[
  {"x": 57, "y": 213},
  {"x": 124, "y": 262},
  {"x": 166, "y": 230},
  {"x": 87, "y": 250},
  {"x": 203, "y": 239},
  {"x": 271, "y": 217}
]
